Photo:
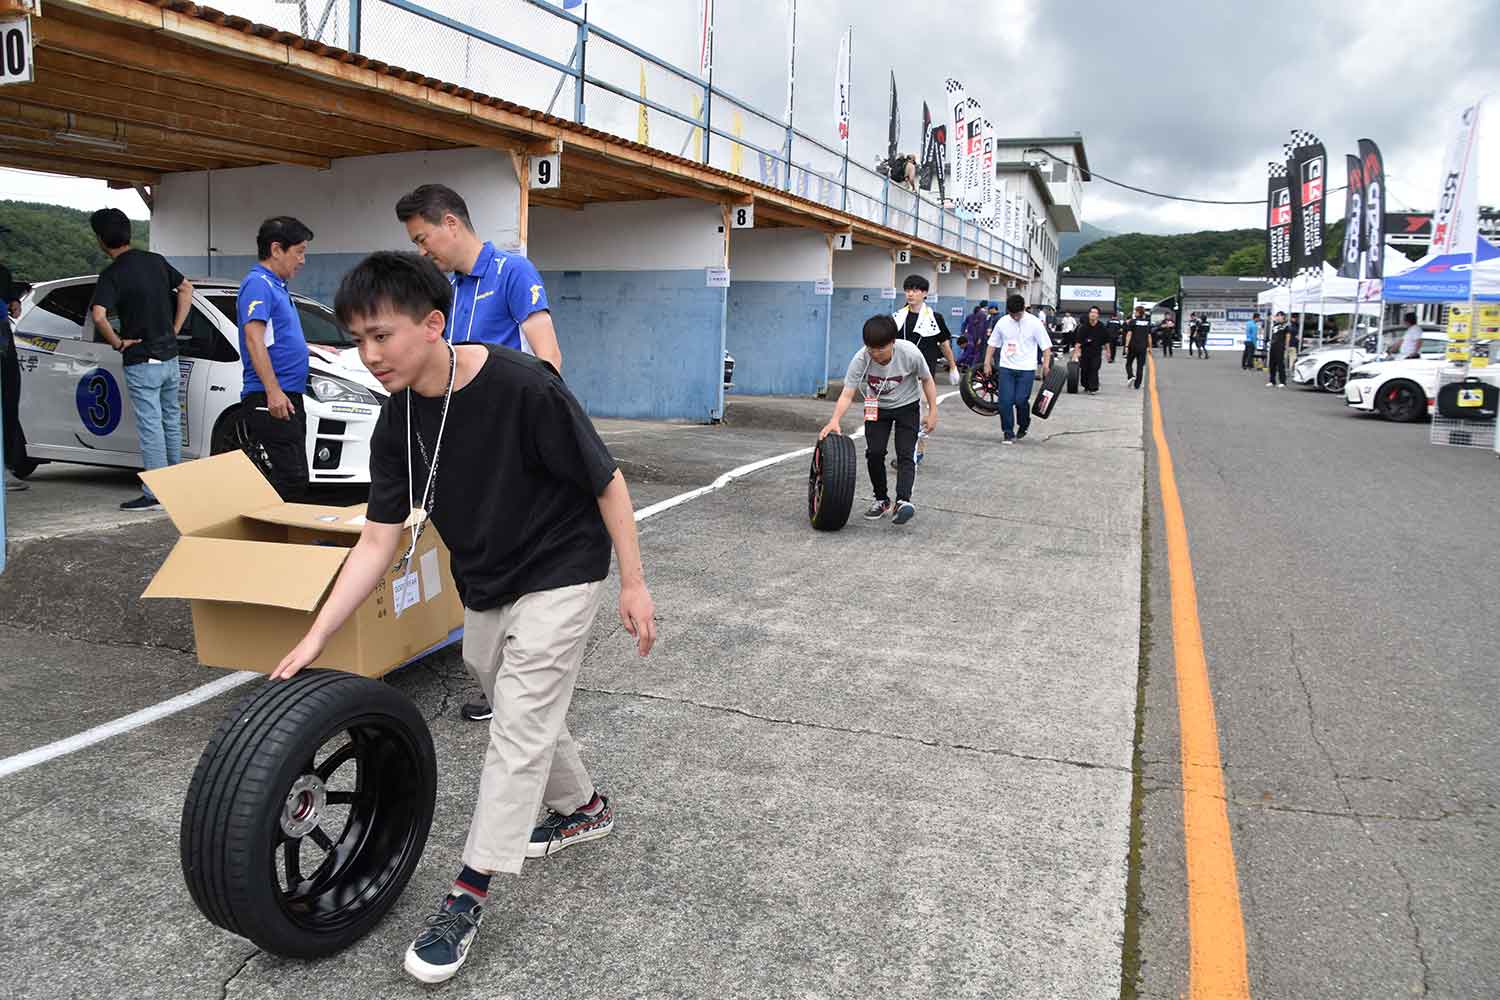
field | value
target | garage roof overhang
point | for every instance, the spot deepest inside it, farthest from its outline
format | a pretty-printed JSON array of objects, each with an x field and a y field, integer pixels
[{"x": 128, "y": 90}]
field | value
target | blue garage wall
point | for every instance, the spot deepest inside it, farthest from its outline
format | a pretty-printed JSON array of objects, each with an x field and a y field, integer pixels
[
  {"x": 640, "y": 344},
  {"x": 777, "y": 332},
  {"x": 851, "y": 307},
  {"x": 318, "y": 279}
]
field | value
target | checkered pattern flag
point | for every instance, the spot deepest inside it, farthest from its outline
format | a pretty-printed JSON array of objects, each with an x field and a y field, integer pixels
[
  {"x": 1306, "y": 168},
  {"x": 1278, "y": 236}
]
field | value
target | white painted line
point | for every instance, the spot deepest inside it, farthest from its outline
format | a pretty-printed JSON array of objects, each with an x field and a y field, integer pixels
[
  {"x": 146, "y": 716},
  {"x": 135, "y": 720}
]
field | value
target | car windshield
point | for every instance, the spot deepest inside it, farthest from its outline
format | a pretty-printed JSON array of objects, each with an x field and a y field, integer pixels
[{"x": 319, "y": 325}]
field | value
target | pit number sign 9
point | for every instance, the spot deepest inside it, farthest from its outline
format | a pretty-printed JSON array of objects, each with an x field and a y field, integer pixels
[
  {"x": 15, "y": 51},
  {"x": 546, "y": 171}
]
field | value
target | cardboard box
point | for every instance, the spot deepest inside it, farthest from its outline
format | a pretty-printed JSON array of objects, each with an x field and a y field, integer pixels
[{"x": 257, "y": 571}]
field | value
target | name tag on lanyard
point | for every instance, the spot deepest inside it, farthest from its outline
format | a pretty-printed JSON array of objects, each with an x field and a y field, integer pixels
[{"x": 872, "y": 408}]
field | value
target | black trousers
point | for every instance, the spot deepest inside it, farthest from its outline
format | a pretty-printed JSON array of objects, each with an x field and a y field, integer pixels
[
  {"x": 1138, "y": 359},
  {"x": 1276, "y": 366},
  {"x": 10, "y": 409},
  {"x": 280, "y": 446},
  {"x": 1166, "y": 345},
  {"x": 905, "y": 421},
  {"x": 1089, "y": 361},
  {"x": 1247, "y": 360}
]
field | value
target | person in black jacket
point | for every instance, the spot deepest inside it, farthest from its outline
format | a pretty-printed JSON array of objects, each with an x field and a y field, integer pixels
[
  {"x": 1276, "y": 345},
  {"x": 1138, "y": 335},
  {"x": 1089, "y": 340}
]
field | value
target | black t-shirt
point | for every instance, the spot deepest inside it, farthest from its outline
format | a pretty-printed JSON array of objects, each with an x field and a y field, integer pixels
[
  {"x": 927, "y": 345},
  {"x": 519, "y": 476},
  {"x": 1092, "y": 338},
  {"x": 139, "y": 286},
  {"x": 1140, "y": 332},
  {"x": 1280, "y": 334}
]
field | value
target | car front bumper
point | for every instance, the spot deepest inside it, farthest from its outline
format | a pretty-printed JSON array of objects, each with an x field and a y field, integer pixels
[
  {"x": 1360, "y": 394},
  {"x": 338, "y": 441}
]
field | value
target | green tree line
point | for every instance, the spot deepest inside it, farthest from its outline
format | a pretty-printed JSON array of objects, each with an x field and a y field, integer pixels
[{"x": 42, "y": 242}]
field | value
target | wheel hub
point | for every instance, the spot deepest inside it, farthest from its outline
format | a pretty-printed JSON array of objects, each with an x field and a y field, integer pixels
[{"x": 304, "y": 805}]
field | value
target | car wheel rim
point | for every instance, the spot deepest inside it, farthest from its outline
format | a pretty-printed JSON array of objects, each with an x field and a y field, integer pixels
[
  {"x": 349, "y": 821},
  {"x": 1332, "y": 378}
]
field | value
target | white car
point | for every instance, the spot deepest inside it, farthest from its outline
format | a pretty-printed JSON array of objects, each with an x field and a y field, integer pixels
[
  {"x": 1327, "y": 368},
  {"x": 1401, "y": 390},
  {"x": 75, "y": 408}
]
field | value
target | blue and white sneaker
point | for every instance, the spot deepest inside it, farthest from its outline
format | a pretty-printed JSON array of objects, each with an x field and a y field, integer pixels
[
  {"x": 439, "y": 951},
  {"x": 904, "y": 512}
]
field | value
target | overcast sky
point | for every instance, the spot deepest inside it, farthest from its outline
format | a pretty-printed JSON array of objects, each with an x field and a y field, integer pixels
[{"x": 1184, "y": 97}]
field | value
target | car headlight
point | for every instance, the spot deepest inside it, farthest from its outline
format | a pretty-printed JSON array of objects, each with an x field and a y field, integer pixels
[
  {"x": 327, "y": 389},
  {"x": 1359, "y": 375}
]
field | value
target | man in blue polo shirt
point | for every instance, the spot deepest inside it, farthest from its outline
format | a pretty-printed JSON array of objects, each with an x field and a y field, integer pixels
[
  {"x": 498, "y": 298},
  {"x": 274, "y": 353}
]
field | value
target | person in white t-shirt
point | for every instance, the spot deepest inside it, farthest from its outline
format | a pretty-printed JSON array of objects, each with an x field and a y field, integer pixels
[
  {"x": 1411, "y": 340},
  {"x": 1014, "y": 345}
]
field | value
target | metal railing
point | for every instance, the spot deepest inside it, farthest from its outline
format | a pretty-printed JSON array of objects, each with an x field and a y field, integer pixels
[{"x": 573, "y": 68}]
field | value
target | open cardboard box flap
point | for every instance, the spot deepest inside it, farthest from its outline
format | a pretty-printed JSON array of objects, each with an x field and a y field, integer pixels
[
  {"x": 207, "y": 493},
  {"x": 268, "y": 573},
  {"x": 313, "y": 517}
]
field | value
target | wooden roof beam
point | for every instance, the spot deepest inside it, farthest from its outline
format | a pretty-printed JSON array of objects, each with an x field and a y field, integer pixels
[{"x": 49, "y": 164}]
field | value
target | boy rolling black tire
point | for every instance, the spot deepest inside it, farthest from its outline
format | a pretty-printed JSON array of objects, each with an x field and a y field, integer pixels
[
  {"x": 831, "y": 482},
  {"x": 299, "y": 851}
]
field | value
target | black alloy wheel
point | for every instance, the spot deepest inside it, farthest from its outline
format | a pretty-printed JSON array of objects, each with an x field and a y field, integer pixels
[
  {"x": 1401, "y": 401},
  {"x": 1332, "y": 376},
  {"x": 980, "y": 392},
  {"x": 308, "y": 812}
]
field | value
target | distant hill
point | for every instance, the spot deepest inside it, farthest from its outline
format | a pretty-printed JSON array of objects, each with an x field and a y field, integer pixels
[
  {"x": 1148, "y": 266},
  {"x": 1070, "y": 243},
  {"x": 44, "y": 242}
]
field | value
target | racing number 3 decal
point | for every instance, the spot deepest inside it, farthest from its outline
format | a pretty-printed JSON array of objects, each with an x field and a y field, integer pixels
[{"x": 99, "y": 402}]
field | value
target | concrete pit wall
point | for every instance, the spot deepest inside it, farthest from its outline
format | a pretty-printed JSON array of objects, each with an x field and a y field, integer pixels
[
  {"x": 351, "y": 209},
  {"x": 777, "y": 324},
  {"x": 860, "y": 276},
  {"x": 642, "y": 334}
]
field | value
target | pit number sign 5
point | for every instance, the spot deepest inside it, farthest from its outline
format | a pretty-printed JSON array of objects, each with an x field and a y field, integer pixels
[{"x": 15, "y": 51}]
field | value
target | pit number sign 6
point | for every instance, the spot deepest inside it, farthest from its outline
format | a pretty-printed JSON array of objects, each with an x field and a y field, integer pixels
[
  {"x": 15, "y": 51},
  {"x": 546, "y": 171}
]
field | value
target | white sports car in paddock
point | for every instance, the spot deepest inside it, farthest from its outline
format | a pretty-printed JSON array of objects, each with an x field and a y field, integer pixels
[
  {"x": 1328, "y": 368},
  {"x": 1402, "y": 390},
  {"x": 74, "y": 406}
]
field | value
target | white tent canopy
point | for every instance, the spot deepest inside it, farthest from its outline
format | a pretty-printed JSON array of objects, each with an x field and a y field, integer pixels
[{"x": 1328, "y": 294}]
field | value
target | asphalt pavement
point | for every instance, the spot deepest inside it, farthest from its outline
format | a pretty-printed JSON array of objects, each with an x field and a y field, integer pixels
[
  {"x": 878, "y": 762},
  {"x": 1346, "y": 579}
]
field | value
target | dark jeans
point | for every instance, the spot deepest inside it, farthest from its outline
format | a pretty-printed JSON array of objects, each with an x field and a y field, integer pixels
[
  {"x": 1135, "y": 362},
  {"x": 1088, "y": 368},
  {"x": 905, "y": 420},
  {"x": 1015, "y": 399},
  {"x": 1276, "y": 366},
  {"x": 1166, "y": 347},
  {"x": 10, "y": 408},
  {"x": 280, "y": 446},
  {"x": 1247, "y": 360}
]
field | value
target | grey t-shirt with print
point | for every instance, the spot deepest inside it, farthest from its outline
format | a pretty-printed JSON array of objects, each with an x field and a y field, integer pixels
[{"x": 896, "y": 383}]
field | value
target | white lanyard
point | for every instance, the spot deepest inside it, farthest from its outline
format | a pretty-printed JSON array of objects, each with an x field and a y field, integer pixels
[{"x": 416, "y": 529}]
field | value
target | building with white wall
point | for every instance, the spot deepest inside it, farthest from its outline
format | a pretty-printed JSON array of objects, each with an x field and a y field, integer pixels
[{"x": 1049, "y": 172}]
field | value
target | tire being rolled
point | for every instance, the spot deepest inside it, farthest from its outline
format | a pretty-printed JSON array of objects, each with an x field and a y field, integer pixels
[
  {"x": 1073, "y": 374},
  {"x": 260, "y": 802},
  {"x": 831, "y": 482},
  {"x": 979, "y": 392}
]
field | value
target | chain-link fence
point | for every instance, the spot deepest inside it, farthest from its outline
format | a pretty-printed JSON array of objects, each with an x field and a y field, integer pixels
[{"x": 536, "y": 54}]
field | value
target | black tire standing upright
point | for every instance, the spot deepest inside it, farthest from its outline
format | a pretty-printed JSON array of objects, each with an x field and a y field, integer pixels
[
  {"x": 831, "y": 482},
  {"x": 1073, "y": 373},
  {"x": 301, "y": 853}
]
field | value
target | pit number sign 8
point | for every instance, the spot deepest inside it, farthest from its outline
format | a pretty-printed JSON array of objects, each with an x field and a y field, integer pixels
[
  {"x": 742, "y": 217},
  {"x": 15, "y": 51},
  {"x": 546, "y": 171}
]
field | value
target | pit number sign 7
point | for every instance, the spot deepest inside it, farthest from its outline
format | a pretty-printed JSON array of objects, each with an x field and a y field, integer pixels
[{"x": 15, "y": 51}]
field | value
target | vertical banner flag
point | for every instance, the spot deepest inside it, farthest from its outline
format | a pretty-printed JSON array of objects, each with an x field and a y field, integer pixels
[
  {"x": 705, "y": 37},
  {"x": 1354, "y": 217},
  {"x": 643, "y": 124},
  {"x": 1372, "y": 231},
  {"x": 841, "y": 86},
  {"x": 958, "y": 106},
  {"x": 940, "y": 159},
  {"x": 973, "y": 139},
  {"x": 1455, "y": 224},
  {"x": 737, "y": 152},
  {"x": 987, "y": 171},
  {"x": 895, "y": 126},
  {"x": 924, "y": 172},
  {"x": 1307, "y": 170},
  {"x": 1278, "y": 224}
]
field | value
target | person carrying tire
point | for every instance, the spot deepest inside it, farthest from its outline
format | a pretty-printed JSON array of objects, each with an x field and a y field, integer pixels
[
  {"x": 1138, "y": 335},
  {"x": 529, "y": 516},
  {"x": 1276, "y": 345},
  {"x": 274, "y": 353},
  {"x": 892, "y": 375},
  {"x": 1090, "y": 339},
  {"x": 1014, "y": 345}
]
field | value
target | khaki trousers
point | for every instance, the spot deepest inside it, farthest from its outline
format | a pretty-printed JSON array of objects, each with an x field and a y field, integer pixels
[{"x": 525, "y": 656}]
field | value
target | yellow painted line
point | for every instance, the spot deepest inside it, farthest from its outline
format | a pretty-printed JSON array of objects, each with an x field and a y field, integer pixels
[{"x": 1216, "y": 928}]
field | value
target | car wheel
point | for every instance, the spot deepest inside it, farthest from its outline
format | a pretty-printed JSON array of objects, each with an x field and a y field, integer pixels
[
  {"x": 1332, "y": 376},
  {"x": 1073, "y": 376},
  {"x": 980, "y": 392},
  {"x": 831, "y": 482},
  {"x": 1401, "y": 401},
  {"x": 229, "y": 434},
  {"x": 308, "y": 812},
  {"x": 24, "y": 468}
]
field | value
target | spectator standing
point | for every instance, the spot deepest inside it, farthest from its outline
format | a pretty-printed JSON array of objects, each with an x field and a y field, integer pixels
[
  {"x": 273, "y": 350},
  {"x": 1015, "y": 343},
  {"x": 10, "y": 385},
  {"x": 1411, "y": 339},
  {"x": 1252, "y": 333},
  {"x": 1276, "y": 347},
  {"x": 1167, "y": 332},
  {"x": 139, "y": 287}
]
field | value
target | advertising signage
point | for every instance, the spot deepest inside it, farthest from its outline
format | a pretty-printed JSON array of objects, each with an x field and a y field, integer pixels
[{"x": 1076, "y": 294}]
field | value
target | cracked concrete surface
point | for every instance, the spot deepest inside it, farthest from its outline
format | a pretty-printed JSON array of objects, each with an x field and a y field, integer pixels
[{"x": 824, "y": 787}]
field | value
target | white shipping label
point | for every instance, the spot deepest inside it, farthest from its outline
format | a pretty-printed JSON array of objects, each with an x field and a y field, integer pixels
[
  {"x": 405, "y": 592},
  {"x": 432, "y": 577}
]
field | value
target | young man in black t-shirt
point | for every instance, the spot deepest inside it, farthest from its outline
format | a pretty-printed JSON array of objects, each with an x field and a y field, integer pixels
[
  {"x": 920, "y": 324},
  {"x": 488, "y": 444}
]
